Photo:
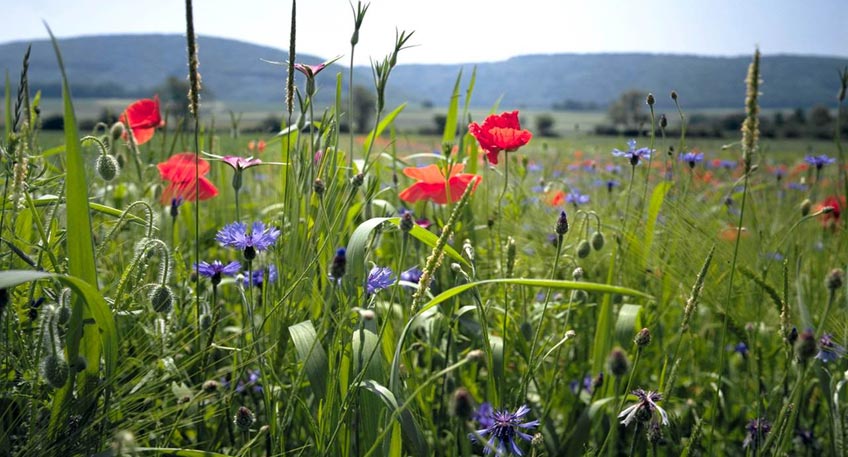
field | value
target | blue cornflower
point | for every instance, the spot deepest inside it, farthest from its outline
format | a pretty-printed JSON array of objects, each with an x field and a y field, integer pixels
[
  {"x": 337, "y": 269},
  {"x": 258, "y": 277},
  {"x": 726, "y": 164},
  {"x": 534, "y": 167},
  {"x": 643, "y": 410},
  {"x": 741, "y": 348},
  {"x": 577, "y": 385},
  {"x": 614, "y": 169},
  {"x": 215, "y": 270},
  {"x": 633, "y": 154},
  {"x": 828, "y": 350},
  {"x": 259, "y": 239},
  {"x": 378, "y": 279},
  {"x": 798, "y": 186},
  {"x": 757, "y": 429},
  {"x": 692, "y": 158},
  {"x": 175, "y": 206},
  {"x": 502, "y": 427},
  {"x": 412, "y": 275},
  {"x": 819, "y": 161},
  {"x": 253, "y": 381},
  {"x": 576, "y": 198}
]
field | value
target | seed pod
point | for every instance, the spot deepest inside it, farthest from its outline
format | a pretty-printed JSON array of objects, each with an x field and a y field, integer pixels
[
  {"x": 462, "y": 404},
  {"x": 805, "y": 347},
  {"x": 617, "y": 362},
  {"x": 162, "y": 299},
  {"x": 598, "y": 241},
  {"x": 561, "y": 227},
  {"x": 107, "y": 167},
  {"x": 55, "y": 370},
  {"x": 643, "y": 338},
  {"x": 583, "y": 249}
]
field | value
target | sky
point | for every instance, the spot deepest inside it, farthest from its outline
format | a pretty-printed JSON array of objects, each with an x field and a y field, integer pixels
[{"x": 464, "y": 31}]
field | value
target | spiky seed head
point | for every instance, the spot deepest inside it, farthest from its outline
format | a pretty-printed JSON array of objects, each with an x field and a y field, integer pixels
[
  {"x": 244, "y": 418},
  {"x": 650, "y": 99},
  {"x": 462, "y": 404},
  {"x": 835, "y": 279},
  {"x": 357, "y": 180},
  {"x": 663, "y": 121},
  {"x": 107, "y": 167},
  {"x": 674, "y": 95},
  {"x": 162, "y": 299},
  {"x": 617, "y": 362},
  {"x": 406, "y": 222},
  {"x": 805, "y": 347},
  {"x": 643, "y": 338},
  {"x": 318, "y": 187}
]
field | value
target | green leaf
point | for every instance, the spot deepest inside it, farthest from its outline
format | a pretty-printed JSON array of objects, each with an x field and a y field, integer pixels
[
  {"x": 378, "y": 130},
  {"x": 80, "y": 253},
  {"x": 449, "y": 134},
  {"x": 360, "y": 240},
  {"x": 313, "y": 356},
  {"x": 628, "y": 323},
  {"x": 394, "y": 377},
  {"x": 657, "y": 199},
  {"x": 413, "y": 437}
]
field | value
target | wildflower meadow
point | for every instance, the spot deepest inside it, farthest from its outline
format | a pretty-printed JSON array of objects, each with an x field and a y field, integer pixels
[{"x": 168, "y": 289}]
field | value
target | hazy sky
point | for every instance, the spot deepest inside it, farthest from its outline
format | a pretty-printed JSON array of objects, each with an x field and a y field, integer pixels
[{"x": 451, "y": 31}]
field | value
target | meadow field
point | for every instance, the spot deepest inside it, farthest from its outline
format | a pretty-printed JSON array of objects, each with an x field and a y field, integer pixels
[{"x": 479, "y": 291}]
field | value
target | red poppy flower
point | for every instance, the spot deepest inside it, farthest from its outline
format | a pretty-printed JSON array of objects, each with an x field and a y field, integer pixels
[
  {"x": 432, "y": 185},
  {"x": 557, "y": 199},
  {"x": 831, "y": 219},
  {"x": 143, "y": 118},
  {"x": 500, "y": 132},
  {"x": 180, "y": 173}
]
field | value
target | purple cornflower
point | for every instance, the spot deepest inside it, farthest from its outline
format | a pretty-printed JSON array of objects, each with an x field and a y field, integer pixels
[
  {"x": 741, "y": 348},
  {"x": 819, "y": 161},
  {"x": 412, "y": 275},
  {"x": 253, "y": 381},
  {"x": 260, "y": 238},
  {"x": 644, "y": 409},
  {"x": 215, "y": 270},
  {"x": 757, "y": 430},
  {"x": 534, "y": 167},
  {"x": 502, "y": 427},
  {"x": 614, "y": 169},
  {"x": 576, "y": 198},
  {"x": 633, "y": 154},
  {"x": 724, "y": 163},
  {"x": 828, "y": 350},
  {"x": 258, "y": 277},
  {"x": 692, "y": 158},
  {"x": 378, "y": 279}
]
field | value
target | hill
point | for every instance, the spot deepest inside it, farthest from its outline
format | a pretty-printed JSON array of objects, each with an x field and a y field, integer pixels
[{"x": 136, "y": 65}]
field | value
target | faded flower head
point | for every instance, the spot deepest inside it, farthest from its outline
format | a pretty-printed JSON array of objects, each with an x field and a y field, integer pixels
[
  {"x": 644, "y": 409},
  {"x": 502, "y": 427},
  {"x": 828, "y": 350}
]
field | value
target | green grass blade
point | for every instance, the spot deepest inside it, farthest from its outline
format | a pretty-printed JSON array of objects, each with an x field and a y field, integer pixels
[
  {"x": 449, "y": 135},
  {"x": 378, "y": 130},
  {"x": 8, "y": 107},
  {"x": 177, "y": 452},
  {"x": 80, "y": 252},
  {"x": 312, "y": 355}
]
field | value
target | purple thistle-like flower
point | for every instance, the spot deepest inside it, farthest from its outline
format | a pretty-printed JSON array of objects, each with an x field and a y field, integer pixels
[
  {"x": 378, "y": 279},
  {"x": 258, "y": 239},
  {"x": 819, "y": 161},
  {"x": 644, "y": 409},
  {"x": 215, "y": 270},
  {"x": 757, "y": 430},
  {"x": 828, "y": 350},
  {"x": 633, "y": 154},
  {"x": 261, "y": 276},
  {"x": 502, "y": 427},
  {"x": 692, "y": 158},
  {"x": 586, "y": 384}
]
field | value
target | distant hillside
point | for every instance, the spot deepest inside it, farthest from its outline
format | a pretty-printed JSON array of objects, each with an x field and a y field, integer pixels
[{"x": 134, "y": 65}]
